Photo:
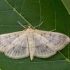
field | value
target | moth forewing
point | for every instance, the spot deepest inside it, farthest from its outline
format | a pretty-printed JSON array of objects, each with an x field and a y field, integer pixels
[{"x": 58, "y": 40}]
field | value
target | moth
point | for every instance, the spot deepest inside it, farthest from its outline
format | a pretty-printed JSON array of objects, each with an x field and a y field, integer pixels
[{"x": 32, "y": 42}]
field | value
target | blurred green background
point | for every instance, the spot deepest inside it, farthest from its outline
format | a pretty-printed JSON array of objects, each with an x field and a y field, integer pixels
[
  {"x": 31, "y": 11},
  {"x": 67, "y": 3}
]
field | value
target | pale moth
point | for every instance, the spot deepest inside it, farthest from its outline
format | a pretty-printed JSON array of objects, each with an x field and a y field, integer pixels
[{"x": 32, "y": 42}]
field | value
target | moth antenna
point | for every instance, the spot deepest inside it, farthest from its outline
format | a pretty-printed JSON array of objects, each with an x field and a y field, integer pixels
[
  {"x": 21, "y": 24},
  {"x": 39, "y": 24}
]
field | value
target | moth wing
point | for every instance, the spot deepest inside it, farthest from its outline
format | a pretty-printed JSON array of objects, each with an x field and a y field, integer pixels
[
  {"x": 42, "y": 47},
  {"x": 18, "y": 48},
  {"x": 58, "y": 40},
  {"x": 7, "y": 39},
  {"x": 14, "y": 45}
]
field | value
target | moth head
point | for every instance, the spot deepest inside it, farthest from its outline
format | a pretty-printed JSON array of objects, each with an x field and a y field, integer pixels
[{"x": 29, "y": 27}]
